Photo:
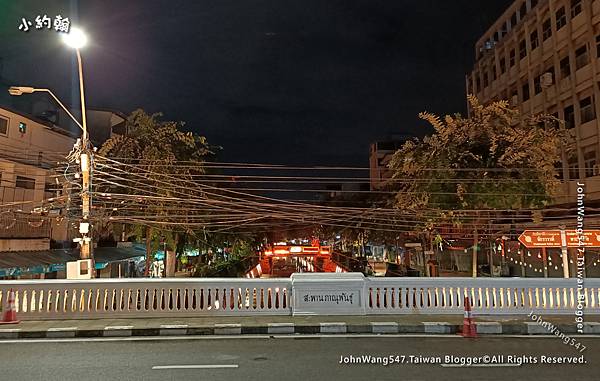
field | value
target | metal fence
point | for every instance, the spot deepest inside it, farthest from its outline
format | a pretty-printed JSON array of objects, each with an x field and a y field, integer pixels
[{"x": 104, "y": 298}]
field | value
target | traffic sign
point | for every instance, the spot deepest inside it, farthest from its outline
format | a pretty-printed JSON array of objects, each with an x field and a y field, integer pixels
[{"x": 532, "y": 239}]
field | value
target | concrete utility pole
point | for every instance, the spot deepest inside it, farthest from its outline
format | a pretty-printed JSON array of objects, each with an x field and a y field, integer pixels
[
  {"x": 86, "y": 176},
  {"x": 565, "y": 252}
]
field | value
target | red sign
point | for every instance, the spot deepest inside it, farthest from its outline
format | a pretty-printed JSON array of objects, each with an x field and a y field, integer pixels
[{"x": 551, "y": 238}]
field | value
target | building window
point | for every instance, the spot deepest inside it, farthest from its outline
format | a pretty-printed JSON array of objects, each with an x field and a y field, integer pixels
[
  {"x": 575, "y": 7},
  {"x": 573, "y": 168},
  {"x": 565, "y": 67},
  {"x": 555, "y": 119},
  {"x": 525, "y": 91},
  {"x": 598, "y": 46},
  {"x": 485, "y": 79},
  {"x": 581, "y": 57},
  {"x": 22, "y": 127},
  {"x": 513, "y": 20},
  {"x": 559, "y": 170},
  {"x": 494, "y": 73},
  {"x": 534, "y": 39},
  {"x": 477, "y": 83},
  {"x": 561, "y": 18},
  {"x": 589, "y": 161},
  {"x": 52, "y": 188},
  {"x": 25, "y": 182},
  {"x": 502, "y": 65},
  {"x": 586, "y": 107},
  {"x": 569, "y": 115},
  {"x": 511, "y": 58},
  {"x": 3, "y": 126},
  {"x": 514, "y": 94},
  {"x": 537, "y": 84},
  {"x": 551, "y": 71},
  {"x": 522, "y": 49},
  {"x": 547, "y": 29},
  {"x": 523, "y": 10}
]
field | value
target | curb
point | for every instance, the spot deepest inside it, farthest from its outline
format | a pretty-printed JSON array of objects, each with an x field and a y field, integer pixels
[{"x": 329, "y": 328}]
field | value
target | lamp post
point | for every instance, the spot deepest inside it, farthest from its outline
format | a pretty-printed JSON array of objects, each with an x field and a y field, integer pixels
[{"x": 76, "y": 39}]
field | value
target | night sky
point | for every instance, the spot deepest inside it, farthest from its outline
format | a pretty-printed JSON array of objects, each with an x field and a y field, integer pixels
[{"x": 308, "y": 82}]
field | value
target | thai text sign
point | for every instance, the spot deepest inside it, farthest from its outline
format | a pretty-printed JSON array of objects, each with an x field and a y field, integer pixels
[{"x": 551, "y": 238}]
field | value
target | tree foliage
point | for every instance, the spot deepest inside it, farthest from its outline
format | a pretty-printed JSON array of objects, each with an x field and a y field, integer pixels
[
  {"x": 161, "y": 161},
  {"x": 494, "y": 159}
]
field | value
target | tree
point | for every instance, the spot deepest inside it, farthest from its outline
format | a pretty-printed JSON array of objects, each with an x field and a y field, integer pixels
[
  {"x": 147, "y": 159},
  {"x": 471, "y": 168}
]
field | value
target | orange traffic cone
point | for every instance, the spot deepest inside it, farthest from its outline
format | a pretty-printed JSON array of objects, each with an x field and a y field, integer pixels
[
  {"x": 469, "y": 328},
  {"x": 10, "y": 315}
]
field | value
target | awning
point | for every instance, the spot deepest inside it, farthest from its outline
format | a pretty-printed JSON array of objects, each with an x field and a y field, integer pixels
[{"x": 16, "y": 263}]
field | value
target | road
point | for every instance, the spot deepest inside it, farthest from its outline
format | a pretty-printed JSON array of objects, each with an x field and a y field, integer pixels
[{"x": 283, "y": 358}]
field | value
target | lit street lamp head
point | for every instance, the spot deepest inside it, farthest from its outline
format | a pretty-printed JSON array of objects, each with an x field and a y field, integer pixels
[
  {"x": 75, "y": 38},
  {"x": 19, "y": 90}
]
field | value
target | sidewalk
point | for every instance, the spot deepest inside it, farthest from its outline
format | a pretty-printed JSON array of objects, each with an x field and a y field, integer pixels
[{"x": 266, "y": 325}]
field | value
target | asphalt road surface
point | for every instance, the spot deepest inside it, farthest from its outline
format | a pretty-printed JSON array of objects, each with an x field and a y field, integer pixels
[{"x": 293, "y": 358}]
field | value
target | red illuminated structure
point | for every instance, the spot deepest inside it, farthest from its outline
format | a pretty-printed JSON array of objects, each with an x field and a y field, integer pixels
[{"x": 283, "y": 260}]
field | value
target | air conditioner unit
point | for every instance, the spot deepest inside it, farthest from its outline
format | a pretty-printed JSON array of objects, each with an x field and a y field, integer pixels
[{"x": 546, "y": 80}]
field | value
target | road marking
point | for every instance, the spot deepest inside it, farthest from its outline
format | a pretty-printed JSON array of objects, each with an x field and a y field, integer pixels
[
  {"x": 212, "y": 366},
  {"x": 480, "y": 365},
  {"x": 288, "y": 337}
]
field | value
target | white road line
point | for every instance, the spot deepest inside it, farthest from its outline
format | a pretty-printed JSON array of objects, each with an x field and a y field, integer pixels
[
  {"x": 211, "y": 366},
  {"x": 480, "y": 365}
]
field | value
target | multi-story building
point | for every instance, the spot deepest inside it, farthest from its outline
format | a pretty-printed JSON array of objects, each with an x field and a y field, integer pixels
[
  {"x": 380, "y": 154},
  {"x": 544, "y": 57},
  {"x": 29, "y": 149}
]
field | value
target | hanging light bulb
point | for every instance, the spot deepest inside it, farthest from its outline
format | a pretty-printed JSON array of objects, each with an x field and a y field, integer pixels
[
  {"x": 555, "y": 267},
  {"x": 528, "y": 254},
  {"x": 539, "y": 255}
]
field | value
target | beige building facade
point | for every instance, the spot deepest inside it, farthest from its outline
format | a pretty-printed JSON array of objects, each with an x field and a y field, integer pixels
[
  {"x": 543, "y": 56},
  {"x": 29, "y": 149}
]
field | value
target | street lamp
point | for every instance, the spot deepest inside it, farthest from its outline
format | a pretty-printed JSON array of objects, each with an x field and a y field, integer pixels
[
  {"x": 76, "y": 39},
  {"x": 20, "y": 90}
]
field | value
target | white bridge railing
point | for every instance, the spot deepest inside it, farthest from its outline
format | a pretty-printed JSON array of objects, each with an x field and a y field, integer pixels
[
  {"x": 68, "y": 299},
  {"x": 493, "y": 296},
  {"x": 118, "y": 298}
]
